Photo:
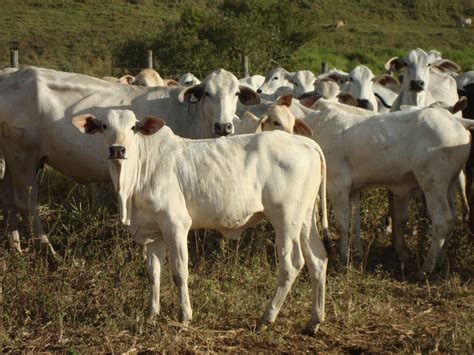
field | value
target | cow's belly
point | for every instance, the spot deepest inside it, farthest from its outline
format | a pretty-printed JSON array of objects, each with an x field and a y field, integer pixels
[{"x": 225, "y": 214}]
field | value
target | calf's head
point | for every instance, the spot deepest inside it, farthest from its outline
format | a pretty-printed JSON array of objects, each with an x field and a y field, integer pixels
[
  {"x": 119, "y": 129},
  {"x": 275, "y": 78},
  {"x": 218, "y": 95},
  {"x": 418, "y": 65},
  {"x": 279, "y": 117},
  {"x": 359, "y": 83}
]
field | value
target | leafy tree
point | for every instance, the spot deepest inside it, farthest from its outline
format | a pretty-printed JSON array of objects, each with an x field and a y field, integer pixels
[{"x": 203, "y": 40}]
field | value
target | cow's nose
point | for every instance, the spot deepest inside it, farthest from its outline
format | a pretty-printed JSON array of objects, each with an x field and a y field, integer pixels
[
  {"x": 417, "y": 85},
  {"x": 116, "y": 152},
  {"x": 223, "y": 129},
  {"x": 363, "y": 103},
  {"x": 259, "y": 91}
]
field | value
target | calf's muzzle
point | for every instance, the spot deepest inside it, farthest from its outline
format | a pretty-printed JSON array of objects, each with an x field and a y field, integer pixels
[
  {"x": 117, "y": 152},
  {"x": 223, "y": 129},
  {"x": 363, "y": 103},
  {"x": 417, "y": 85}
]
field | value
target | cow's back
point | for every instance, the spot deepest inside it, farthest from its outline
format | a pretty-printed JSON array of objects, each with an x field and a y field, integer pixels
[{"x": 227, "y": 180}]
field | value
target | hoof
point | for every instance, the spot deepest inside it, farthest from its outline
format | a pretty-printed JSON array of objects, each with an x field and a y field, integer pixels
[
  {"x": 404, "y": 256},
  {"x": 261, "y": 326},
  {"x": 357, "y": 262},
  {"x": 150, "y": 315},
  {"x": 311, "y": 329},
  {"x": 421, "y": 276}
]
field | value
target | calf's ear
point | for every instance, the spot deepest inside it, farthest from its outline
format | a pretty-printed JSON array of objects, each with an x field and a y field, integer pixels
[
  {"x": 248, "y": 97},
  {"x": 264, "y": 120},
  {"x": 385, "y": 80},
  {"x": 192, "y": 94},
  {"x": 309, "y": 101},
  {"x": 285, "y": 100},
  {"x": 394, "y": 64},
  {"x": 170, "y": 83},
  {"x": 88, "y": 124},
  {"x": 127, "y": 79},
  {"x": 447, "y": 66},
  {"x": 302, "y": 128},
  {"x": 149, "y": 125},
  {"x": 348, "y": 99}
]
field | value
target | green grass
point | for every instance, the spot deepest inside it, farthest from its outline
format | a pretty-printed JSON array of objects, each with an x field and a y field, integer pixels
[{"x": 83, "y": 35}]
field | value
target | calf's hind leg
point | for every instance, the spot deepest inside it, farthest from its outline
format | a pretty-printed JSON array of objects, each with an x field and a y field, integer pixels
[
  {"x": 291, "y": 261},
  {"x": 316, "y": 259}
]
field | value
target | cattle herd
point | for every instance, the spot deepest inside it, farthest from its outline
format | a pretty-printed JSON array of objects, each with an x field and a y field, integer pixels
[{"x": 185, "y": 154}]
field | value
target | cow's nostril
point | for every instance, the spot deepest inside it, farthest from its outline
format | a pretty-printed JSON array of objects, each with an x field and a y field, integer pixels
[{"x": 228, "y": 127}]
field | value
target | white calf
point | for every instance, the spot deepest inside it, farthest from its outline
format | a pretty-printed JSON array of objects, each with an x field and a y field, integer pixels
[{"x": 168, "y": 185}]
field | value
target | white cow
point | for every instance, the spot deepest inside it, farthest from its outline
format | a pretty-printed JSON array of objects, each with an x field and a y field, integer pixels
[
  {"x": 424, "y": 79},
  {"x": 150, "y": 77},
  {"x": 401, "y": 151},
  {"x": 462, "y": 22},
  {"x": 303, "y": 82},
  {"x": 253, "y": 82},
  {"x": 188, "y": 79},
  {"x": 369, "y": 90},
  {"x": 275, "y": 78},
  {"x": 36, "y": 107},
  {"x": 249, "y": 123},
  {"x": 168, "y": 185},
  {"x": 327, "y": 88},
  {"x": 299, "y": 82}
]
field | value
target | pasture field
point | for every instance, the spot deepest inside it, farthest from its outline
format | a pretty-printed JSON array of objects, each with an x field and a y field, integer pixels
[
  {"x": 95, "y": 299},
  {"x": 88, "y": 36}
]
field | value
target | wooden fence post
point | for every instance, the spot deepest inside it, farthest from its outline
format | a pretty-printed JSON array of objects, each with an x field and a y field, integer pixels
[
  {"x": 14, "y": 58},
  {"x": 324, "y": 67},
  {"x": 150, "y": 59},
  {"x": 245, "y": 66}
]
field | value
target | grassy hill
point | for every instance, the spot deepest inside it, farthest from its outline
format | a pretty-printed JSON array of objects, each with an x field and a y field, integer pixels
[{"x": 83, "y": 35}]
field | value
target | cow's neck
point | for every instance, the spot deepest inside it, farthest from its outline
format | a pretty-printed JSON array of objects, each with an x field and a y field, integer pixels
[
  {"x": 125, "y": 175},
  {"x": 412, "y": 98}
]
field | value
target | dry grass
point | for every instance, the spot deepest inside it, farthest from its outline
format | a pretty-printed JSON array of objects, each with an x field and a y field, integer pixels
[{"x": 95, "y": 299}]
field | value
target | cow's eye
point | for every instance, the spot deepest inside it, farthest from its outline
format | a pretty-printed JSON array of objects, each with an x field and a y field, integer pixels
[
  {"x": 237, "y": 93},
  {"x": 275, "y": 78},
  {"x": 276, "y": 123},
  {"x": 350, "y": 79},
  {"x": 429, "y": 65},
  {"x": 104, "y": 126},
  {"x": 296, "y": 84},
  {"x": 206, "y": 93}
]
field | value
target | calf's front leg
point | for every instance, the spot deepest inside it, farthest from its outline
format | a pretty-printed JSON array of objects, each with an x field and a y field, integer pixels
[
  {"x": 175, "y": 236},
  {"x": 156, "y": 253}
]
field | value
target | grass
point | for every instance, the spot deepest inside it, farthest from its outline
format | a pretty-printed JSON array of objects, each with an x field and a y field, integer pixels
[
  {"x": 84, "y": 35},
  {"x": 95, "y": 299}
]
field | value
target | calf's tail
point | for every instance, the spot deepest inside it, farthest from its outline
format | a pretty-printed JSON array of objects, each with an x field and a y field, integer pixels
[{"x": 324, "y": 211}]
